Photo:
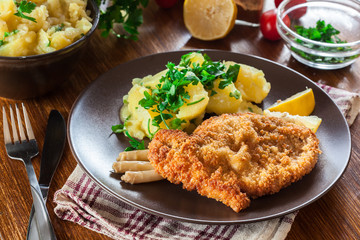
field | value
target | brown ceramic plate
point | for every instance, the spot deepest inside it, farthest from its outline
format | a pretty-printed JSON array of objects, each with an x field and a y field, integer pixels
[{"x": 95, "y": 148}]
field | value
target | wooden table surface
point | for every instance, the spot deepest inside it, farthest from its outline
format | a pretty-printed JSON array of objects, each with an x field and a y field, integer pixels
[{"x": 335, "y": 216}]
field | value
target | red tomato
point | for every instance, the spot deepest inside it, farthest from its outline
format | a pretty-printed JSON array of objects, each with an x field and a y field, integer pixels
[
  {"x": 296, "y": 13},
  {"x": 268, "y": 25},
  {"x": 166, "y": 3}
]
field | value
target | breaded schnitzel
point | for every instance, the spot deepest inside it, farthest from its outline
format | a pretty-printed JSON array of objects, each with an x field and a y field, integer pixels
[{"x": 235, "y": 156}]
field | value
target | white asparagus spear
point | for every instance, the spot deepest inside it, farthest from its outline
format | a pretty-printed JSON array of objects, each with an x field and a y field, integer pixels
[
  {"x": 135, "y": 177},
  {"x": 137, "y": 155},
  {"x": 123, "y": 166}
]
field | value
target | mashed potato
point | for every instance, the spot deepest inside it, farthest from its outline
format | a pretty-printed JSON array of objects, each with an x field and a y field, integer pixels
[{"x": 58, "y": 24}]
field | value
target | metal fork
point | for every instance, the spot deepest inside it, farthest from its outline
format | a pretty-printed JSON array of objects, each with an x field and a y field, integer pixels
[{"x": 24, "y": 150}]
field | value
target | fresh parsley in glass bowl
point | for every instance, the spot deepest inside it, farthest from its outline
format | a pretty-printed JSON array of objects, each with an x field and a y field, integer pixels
[{"x": 323, "y": 34}]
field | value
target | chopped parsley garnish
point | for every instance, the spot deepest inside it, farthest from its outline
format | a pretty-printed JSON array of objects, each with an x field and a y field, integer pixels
[
  {"x": 135, "y": 144},
  {"x": 6, "y": 34},
  {"x": 236, "y": 94},
  {"x": 25, "y": 7},
  {"x": 118, "y": 128},
  {"x": 195, "y": 102},
  {"x": 127, "y": 13},
  {"x": 170, "y": 94},
  {"x": 322, "y": 32},
  {"x": 230, "y": 76},
  {"x": 59, "y": 27},
  {"x": 209, "y": 71}
]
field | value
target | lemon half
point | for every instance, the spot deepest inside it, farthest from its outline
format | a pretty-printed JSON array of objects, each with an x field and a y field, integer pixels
[
  {"x": 302, "y": 103},
  {"x": 209, "y": 19}
]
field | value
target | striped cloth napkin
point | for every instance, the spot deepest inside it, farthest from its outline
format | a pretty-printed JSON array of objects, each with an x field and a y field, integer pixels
[{"x": 82, "y": 201}]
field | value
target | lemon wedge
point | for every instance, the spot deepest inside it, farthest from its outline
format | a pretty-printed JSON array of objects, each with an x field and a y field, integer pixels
[
  {"x": 209, "y": 19},
  {"x": 302, "y": 103},
  {"x": 313, "y": 122}
]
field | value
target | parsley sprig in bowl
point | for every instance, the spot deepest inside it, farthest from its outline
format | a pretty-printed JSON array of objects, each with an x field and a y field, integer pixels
[{"x": 322, "y": 34}]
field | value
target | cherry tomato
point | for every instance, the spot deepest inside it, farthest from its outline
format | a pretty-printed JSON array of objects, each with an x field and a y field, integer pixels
[
  {"x": 268, "y": 25},
  {"x": 166, "y": 3},
  {"x": 296, "y": 13}
]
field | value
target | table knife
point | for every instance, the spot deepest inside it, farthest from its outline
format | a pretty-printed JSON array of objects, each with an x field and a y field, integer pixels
[{"x": 54, "y": 143}]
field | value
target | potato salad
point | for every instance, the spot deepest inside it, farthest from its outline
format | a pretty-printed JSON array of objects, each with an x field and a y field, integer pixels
[
  {"x": 41, "y": 26},
  {"x": 180, "y": 96}
]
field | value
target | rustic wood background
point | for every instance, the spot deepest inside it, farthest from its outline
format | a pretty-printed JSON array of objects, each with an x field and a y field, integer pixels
[{"x": 335, "y": 216}]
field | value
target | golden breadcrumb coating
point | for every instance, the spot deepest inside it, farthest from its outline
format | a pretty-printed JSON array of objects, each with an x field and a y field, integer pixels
[{"x": 235, "y": 156}]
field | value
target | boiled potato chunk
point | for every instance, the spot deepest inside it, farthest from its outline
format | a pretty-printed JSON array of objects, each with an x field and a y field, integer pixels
[
  {"x": 44, "y": 43},
  {"x": 59, "y": 40},
  {"x": 196, "y": 58},
  {"x": 83, "y": 25},
  {"x": 18, "y": 44},
  {"x": 151, "y": 81},
  {"x": 38, "y": 2},
  {"x": 3, "y": 28},
  {"x": 224, "y": 101},
  {"x": 55, "y": 8},
  {"x": 196, "y": 105},
  {"x": 7, "y": 9},
  {"x": 135, "y": 117},
  {"x": 246, "y": 106},
  {"x": 251, "y": 83}
]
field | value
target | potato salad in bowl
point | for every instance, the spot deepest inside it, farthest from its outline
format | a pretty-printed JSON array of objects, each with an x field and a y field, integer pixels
[
  {"x": 41, "y": 26},
  {"x": 41, "y": 42}
]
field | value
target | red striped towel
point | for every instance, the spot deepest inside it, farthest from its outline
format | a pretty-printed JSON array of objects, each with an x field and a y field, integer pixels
[{"x": 84, "y": 202}]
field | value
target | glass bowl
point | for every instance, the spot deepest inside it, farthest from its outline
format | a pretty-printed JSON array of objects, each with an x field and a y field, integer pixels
[
  {"x": 36, "y": 75},
  {"x": 343, "y": 15}
]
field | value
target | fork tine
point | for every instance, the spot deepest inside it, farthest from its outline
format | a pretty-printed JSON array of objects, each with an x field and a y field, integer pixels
[
  {"x": 7, "y": 137},
  {"x": 29, "y": 130},
  {"x": 21, "y": 128},
  {"x": 13, "y": 125}
]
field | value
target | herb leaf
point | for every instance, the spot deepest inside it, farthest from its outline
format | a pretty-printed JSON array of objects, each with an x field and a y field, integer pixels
[
  {"x": 118, "y": 128},
  {"x": 126, "y": 13},
  {"x": 25, "y": 7},
  {"x": 192, "y": 103},
  {"x": 59, "y": 27},
  {"x": 135, "y": 144},
  {"x": 6, "y": 34},
  {"x": 236, "y": 94}
]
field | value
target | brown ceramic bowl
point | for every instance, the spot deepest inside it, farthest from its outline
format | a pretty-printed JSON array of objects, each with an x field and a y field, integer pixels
[{"x": 33, "y": 76}]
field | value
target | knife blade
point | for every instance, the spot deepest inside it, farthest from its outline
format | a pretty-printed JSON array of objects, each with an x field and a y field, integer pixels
[{"x": 54, "y": 143}]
